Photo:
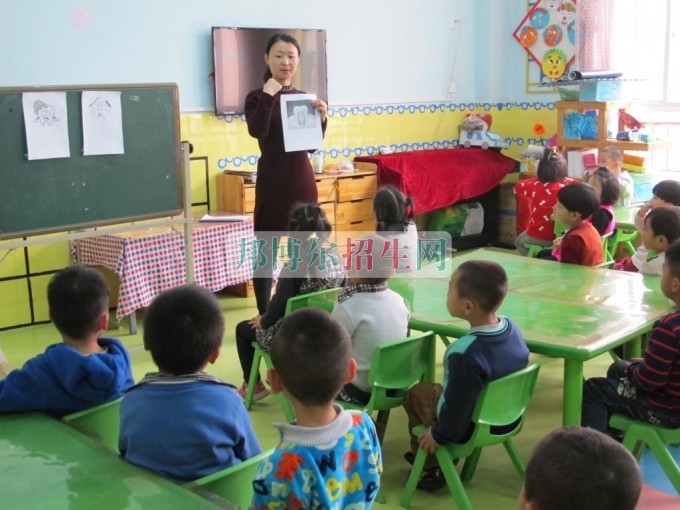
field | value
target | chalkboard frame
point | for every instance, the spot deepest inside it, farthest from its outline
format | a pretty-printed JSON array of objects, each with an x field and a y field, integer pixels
[{"x": 151, "y": 133}]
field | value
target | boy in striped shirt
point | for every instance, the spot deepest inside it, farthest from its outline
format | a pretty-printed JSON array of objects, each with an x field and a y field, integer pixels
[{"x": 646, "y": 389}]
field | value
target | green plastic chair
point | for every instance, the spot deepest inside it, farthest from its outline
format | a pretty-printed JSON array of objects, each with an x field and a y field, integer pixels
[
  {"x": 502, "y": 402},
  {"x": 534, "y": 249},
  {"x": 102, "y": 422},
  {"x": 638, "y": 433},
  {"x": 395, "y": 367},
  {"x": 324, "y": 299},
  {"x": 625, "y": 237},
  {"x": 234, "y": 484}
]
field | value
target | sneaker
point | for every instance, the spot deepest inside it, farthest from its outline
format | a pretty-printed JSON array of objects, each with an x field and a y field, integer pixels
[
  {"x": 431, "y": 480},
  {"x": 260, "y": 391},
  {"x": 409, "y": 457}
]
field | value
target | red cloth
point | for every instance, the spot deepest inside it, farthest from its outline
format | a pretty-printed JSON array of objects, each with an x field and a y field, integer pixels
[
  {"x": 442, "y": 177},
  {"x": 539, "y": 197},
  {"x": 582, "y": 245}
]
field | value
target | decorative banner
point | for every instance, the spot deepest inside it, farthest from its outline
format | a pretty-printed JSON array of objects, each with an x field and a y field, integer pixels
[{"x": 548, "y": 34}]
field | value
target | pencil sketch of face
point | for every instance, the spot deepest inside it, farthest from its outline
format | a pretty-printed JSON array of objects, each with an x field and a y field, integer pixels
[
  {"x": 44, "y": 113},
  {"x": 100, "y": 107}
]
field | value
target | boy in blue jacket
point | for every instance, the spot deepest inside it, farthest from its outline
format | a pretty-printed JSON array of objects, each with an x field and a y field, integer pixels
[
  {"x": 180, "y": 422},
  {"x": 82, "y": 371},
  {"x": 493, "y": 348}
]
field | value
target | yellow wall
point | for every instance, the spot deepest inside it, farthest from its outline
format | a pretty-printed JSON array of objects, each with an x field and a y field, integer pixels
[{"x": 352, "y": 131}]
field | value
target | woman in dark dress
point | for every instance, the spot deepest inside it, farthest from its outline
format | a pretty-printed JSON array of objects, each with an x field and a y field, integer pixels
[{"x": 283, "y": 178}]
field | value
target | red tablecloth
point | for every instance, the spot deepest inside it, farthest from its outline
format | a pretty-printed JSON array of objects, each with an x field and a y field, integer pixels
[
  {"x": 150, "y": 261},
  {"x": 442, "y": 177}
]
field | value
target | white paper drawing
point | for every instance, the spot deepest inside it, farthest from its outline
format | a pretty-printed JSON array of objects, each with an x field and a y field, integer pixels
[
  {"x": 102, "y": 123},
  {"x": 301, "y": 123},
  {"x": 46, "y": 122}
]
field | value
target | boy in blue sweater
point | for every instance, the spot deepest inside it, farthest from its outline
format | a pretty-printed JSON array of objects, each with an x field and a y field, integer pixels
[
  {"x": 181, "y": 422},
  {"x": 493, "y": 348},
  {"x": 328, "y": 457},
  {"x": 85, "y": 369}
]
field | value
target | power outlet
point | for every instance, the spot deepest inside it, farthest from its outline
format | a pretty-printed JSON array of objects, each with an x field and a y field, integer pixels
[{"x": 455, "y": 24}]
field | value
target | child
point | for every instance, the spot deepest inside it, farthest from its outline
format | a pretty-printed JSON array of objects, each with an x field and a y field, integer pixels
[
  {"x": 612, "y": 158},
  {"x": 649, "y": 388},
  {"x": 577, "y": 467},
  {"x": 181, "y": 422},
  {"x": 83, "y": 371},
  {"x": 318, "y": 268},
  {"x": 371, "y": 313},
  {"x": 606, "y": 186},
  {"x": 581, "y": 243},
  {"x": 665, "y": 194},
  {"x": 541, "y": 192},
  {"x": 394, "y": 213},
  {"x": 329, "y": 457},
  {"x": 493, "y": 348}
]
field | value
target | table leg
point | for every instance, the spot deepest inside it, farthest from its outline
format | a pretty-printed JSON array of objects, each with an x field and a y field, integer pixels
[
  {"x": 633, "y": 348},
  {"x": 573, "y": 392},
  {"x": 133, "y": 323}
]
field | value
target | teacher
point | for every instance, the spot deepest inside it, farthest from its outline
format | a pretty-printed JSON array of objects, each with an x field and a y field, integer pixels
[{"x": 283, "y": 178}]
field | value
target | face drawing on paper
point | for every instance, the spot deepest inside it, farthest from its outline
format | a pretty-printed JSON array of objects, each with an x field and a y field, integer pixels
[
  {"x": 44, "y": 113},
  {"x": 100, "y": 108}
]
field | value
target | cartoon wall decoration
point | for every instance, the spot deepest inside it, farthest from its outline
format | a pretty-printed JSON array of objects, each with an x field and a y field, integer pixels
[{"x": 548, "y": 34}]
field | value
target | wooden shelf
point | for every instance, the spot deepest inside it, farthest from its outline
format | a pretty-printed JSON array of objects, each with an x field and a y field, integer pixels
[{"x": 623, "y": 145}]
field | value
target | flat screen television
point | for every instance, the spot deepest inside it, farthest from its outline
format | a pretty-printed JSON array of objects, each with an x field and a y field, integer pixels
[{"x": 238, "y": 57}]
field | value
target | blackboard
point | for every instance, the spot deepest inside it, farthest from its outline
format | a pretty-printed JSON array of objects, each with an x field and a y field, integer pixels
[{"x": 56, "y": 195}]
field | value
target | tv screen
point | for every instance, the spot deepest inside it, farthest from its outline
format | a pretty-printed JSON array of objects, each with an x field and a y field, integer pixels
[{"x": 239, "y": 64}]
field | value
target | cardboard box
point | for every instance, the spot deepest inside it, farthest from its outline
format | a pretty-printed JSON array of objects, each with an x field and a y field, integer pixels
[
  {"x": 605, "y": 90},
  {"x": 580, "y": 160}
]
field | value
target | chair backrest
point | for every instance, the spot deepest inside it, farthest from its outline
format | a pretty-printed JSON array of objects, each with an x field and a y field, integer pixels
[
  {"x": 324, "y": 299},
  {"x": 503, "y": 401},
  {"x": 398, "y": 365},
  {"x": 235, "y": 483},
  {"x": 102, "y": 421}
]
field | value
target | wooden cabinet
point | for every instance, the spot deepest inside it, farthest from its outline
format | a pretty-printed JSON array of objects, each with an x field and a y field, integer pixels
[
  {"x": 604, "y": 109},
  {"x": 347, "y": 200}
]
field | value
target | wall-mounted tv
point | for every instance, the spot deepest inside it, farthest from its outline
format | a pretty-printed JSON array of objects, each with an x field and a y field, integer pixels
[{"x": 239, "y": 64}]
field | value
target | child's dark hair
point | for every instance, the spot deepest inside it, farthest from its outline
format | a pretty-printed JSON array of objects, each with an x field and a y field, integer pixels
[
  {"x": 665, "y": 221},
  {"x": 672, "y": 259},
  {"x": 272, "y": 41},
  {"x": 609, "y": 183},
  {"x": 311, "y": 353},
  {"x": 78, "y": 296},
  {"x": 182, "y": 327},
  {"x": 393, "y": 210},
  {"x": 310, "y": 218},
  {"x": 370, "y": 260},
  {"x": 483, "y": 281},
  {"x": 579, "y": 197},
  {"x": 552, "y": 167},
  {"x": 582, "y": 468},
  {"x": 668, "y": 191}
]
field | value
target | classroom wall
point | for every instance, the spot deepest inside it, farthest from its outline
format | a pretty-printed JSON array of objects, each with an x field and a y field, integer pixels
[{"x": 390, "y": 66}]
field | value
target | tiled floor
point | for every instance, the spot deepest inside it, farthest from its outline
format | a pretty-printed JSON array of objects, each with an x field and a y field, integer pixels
[{"x": 495, "y": 485}]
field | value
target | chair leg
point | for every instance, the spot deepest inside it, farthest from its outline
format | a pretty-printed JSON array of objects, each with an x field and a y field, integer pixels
[
  {"x": 515, "y": 457},
  {"x": 666, "y": 460},
  {"x": 381, "y": 423},
  {"x": 380, "y": 497},
  {"x": 413, "y": 478},
  {"x": 254, "y": 372},
  {"x": 633, "y": 442},
  {"x": 453, "y": 481},
  {"x": 470, "y": 465}
]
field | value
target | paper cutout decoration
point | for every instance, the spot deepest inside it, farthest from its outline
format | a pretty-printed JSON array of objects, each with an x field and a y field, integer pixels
[
  {"x": 46, "y": 123},
  {"x": 549, "y": 25}
]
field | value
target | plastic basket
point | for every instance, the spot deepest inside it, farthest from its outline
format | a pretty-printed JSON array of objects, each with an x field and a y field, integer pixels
[{"x": 568, "y": 94}]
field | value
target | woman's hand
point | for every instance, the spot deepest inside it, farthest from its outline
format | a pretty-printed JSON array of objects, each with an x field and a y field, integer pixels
[
  {"x": 272, "y": 87},
  {"x": 321, "y": 106},
  {"x": 255, "y": 322}
]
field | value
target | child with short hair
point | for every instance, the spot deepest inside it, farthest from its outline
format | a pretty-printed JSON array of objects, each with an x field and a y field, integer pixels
[
  {"x": 612, "y": 159},
  {"x": 319, "y": 267},
  {"x": 394, "y": 220},
  {"x": 328, "y": 457},
  {"x": 581, "y": 244},
  {"x": 371, "y": 313},
  {"x": 541, "y": 191},
  {"x": 181, "y": 422},
  {"x": 607, "y": 188},
  {"x": 665, "y": 194},
  {"x": 85, "y": 369},
  {"x": 577, "y": 467},
  {"x": 493, "y": 348},
  {"x": 646, "y": 389}
]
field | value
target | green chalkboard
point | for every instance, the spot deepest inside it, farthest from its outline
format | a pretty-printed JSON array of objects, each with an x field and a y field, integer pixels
[{"x": 56, "y": 195}]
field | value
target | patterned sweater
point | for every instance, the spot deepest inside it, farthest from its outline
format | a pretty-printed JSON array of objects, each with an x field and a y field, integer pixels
[{"x": 542, "y": 197}]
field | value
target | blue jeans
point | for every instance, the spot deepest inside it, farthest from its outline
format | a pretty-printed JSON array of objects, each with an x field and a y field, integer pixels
[{"x": 604, "y": 396}]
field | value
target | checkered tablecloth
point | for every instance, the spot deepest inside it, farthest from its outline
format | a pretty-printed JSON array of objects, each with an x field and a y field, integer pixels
[{"x": 148, "y": 262}]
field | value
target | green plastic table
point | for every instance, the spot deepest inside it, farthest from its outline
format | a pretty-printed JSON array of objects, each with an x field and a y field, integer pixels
[
  {"x": 563, "y": 310},
  {"x": 45, "y": 463}
]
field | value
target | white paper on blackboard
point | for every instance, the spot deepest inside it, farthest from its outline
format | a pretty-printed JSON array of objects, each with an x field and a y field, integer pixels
[
  {"x": 46, "y": 122},
  {"x": 102, "y": 123}
]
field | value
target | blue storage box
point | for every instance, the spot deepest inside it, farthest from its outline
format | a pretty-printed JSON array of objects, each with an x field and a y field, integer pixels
[{"x": 601, "y": 90}]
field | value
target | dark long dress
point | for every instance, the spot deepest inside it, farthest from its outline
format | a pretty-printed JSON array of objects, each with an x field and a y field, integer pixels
[{"x": 283, "y": 178}]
